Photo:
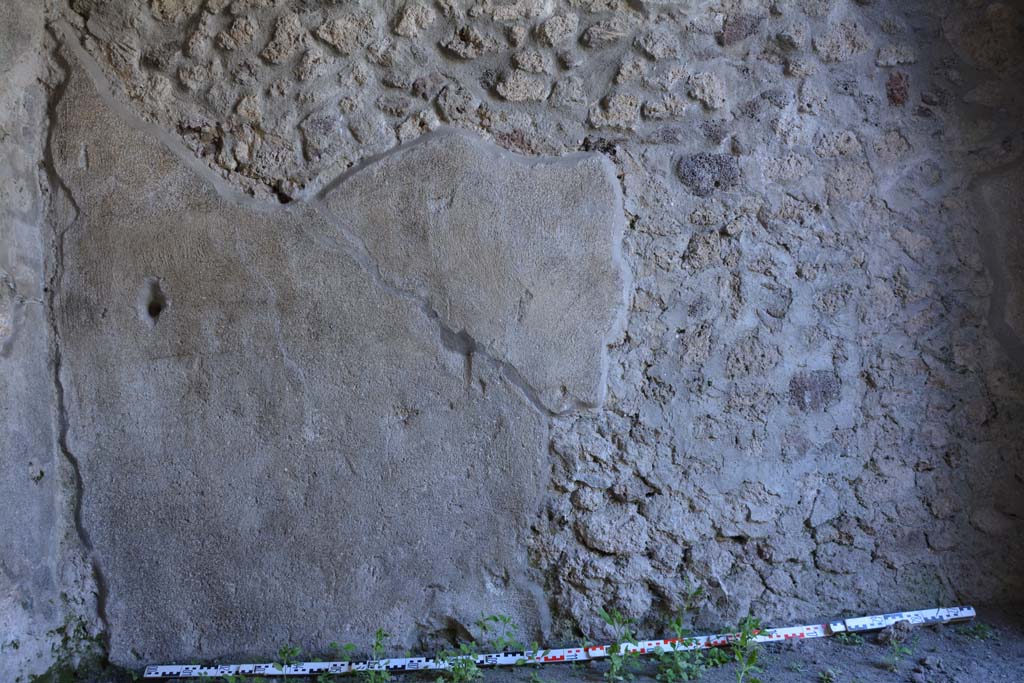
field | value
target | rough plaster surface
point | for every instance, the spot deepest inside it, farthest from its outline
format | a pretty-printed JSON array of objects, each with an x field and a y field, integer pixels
[
  {"x": 812, "y": 402},
  {"x": 296, "y": 419},
  {"x": 521, "y": 259}
]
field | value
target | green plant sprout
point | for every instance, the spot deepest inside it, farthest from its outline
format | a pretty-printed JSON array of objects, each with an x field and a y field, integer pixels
[
  {"x": 978, "y": 631},
  {"x": 745, "y": 650},
  {"x": 682, "y": 665},
  {"x": 679, "y": 665},
  {"x": 499, "y": 629},
  {"x": 377, "y": 652},
  {"x": 287, "y": 655},
  {"x": 622, "y": 662},
  {"x": 850, "y": 638},
  {"x": 896, "y": 653},
  {"x": 461, "y": 663}
]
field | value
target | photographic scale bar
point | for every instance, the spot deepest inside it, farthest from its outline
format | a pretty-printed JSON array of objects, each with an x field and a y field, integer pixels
[{"x": 938, "y": 615}]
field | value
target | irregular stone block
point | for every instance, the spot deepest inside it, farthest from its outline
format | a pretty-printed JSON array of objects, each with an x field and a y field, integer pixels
[
  {"x": 703, "y": 174},
  {"x": 814, "y": 391}
]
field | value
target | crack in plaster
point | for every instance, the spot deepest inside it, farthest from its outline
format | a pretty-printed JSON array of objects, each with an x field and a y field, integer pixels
[{"x": 61, "y": 189}]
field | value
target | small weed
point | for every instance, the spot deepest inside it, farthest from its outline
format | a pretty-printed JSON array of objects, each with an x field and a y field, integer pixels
[
  {"x": 827, "y": 676},
  {"x": 850, "y": 638},
  {"x": 287, "y": 655},
  {"x": 377, "y": 652},
  {"x": 462, "y": 666},
  {"x": 897, "y": 652},
  {"x": 499, "y": 629},
  {"x": 796, "y": 667},
  {"x": 978, "y": 630},
  {"x": 716, "y": 657},
  {"x": 681, "y": 665},
  {"x": 745, "y": 650},
  {"x": 622, "y": 663},
  {"x": 78, "y": 653},
  {"x": 535, "y": 652}
]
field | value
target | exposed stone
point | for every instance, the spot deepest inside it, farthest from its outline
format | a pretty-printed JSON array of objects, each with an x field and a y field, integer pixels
[
  {"x": 792, "y": 36},
  {"x": 850, "y": 180},
  {"x": 457, "y": 104},
  {"x": 371, "y": 129},
  {"x": 533, "y": 61},
  {"x": 632, "y": 68},
  {"x": 558, "y": 29},
  {"x": 614, "y": 532},
  {"x": 241, "y": 34},
  {"x": 314, "y": 64},
  {"x": 814, "y": 391},
  {"x": 895, "y": 634},
  {"x": 194, "y": 77},
  {"x": 608, "y": 32},
  {"x": 659, "y": 43},
  {"x": 289, "y": 37},
  {"x": 469, "y": 43},
  {"x": 568, "y": 92},
  {"x": 354, "y": 30},
  {"x": 704, "y": 174},
  {"x": 894, "y": 55},
  {"x": 897, "y": 88},
  {"x": 841, "y": 42},
  {"x": 838, "y": 144},
  {"x": 751, "y": 356},
  {"x": 249, "y": 107},
  {"x": 394, "y": 104},
  {"x": 738, "y": 27},
  {"x": 416, "y": 16},
  {"x": 322, "y": 134},
  {"x": 619, "y": 110},
  {"x": 708, "y": 89},
  {"x": 420, "y": 123},
  {"x": 519, "y": 86},
  {"x": 667, "y": 107},
  {"x": 174, "y": 10}
]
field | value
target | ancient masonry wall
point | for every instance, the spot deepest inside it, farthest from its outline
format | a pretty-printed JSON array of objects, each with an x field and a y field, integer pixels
[{"x": 319, "y": 316}]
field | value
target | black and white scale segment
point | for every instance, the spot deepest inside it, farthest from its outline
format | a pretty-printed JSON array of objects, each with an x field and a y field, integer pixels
[{"x": 938, "y": 615}]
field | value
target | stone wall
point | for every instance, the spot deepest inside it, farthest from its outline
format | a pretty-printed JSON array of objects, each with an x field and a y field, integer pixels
[{"x": 357, "y": 314}]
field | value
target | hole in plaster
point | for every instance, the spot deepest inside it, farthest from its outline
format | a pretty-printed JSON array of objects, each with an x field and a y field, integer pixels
[{"x": 152, "y": 300}]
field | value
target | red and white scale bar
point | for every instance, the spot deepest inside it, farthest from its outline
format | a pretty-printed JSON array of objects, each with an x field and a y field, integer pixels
[{"x": 939, "y": 615}]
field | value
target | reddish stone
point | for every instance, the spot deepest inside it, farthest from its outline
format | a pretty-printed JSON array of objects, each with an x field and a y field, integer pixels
[{"x": 898, "y": 88}]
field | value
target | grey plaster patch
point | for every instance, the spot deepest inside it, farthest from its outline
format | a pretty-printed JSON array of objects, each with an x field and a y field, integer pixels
[
  {"x": 519, "y": 254},
  {"x": 306, "y": 460},
  {"x": 1002, "y": 230}
]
